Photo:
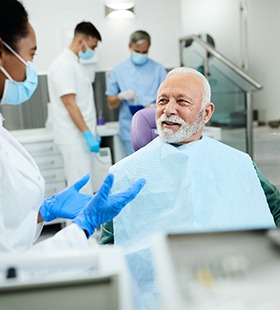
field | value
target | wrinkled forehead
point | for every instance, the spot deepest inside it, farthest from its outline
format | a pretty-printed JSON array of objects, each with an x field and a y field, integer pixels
[
  {"x": 182, "y": 84},
  {"x": 142, "y": 46}
]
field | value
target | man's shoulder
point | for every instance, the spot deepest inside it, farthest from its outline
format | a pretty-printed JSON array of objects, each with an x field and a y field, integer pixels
[
  {"x": 219, "y": 145},
  {"x": 155, "y": 63},
  {"x": 143, "y": 154},
  {"x": 60, "y": 60},
  {"x": 123, "y": 65}
]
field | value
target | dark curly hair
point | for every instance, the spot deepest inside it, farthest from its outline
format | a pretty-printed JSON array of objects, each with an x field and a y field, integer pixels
[{"x": 13, "y": 22}]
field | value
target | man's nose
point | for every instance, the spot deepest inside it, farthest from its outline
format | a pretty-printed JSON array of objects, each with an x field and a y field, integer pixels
[{"x": 170, "y": 108}]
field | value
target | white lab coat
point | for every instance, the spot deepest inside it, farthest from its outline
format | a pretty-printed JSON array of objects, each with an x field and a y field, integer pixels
[{"x": 21, "y": 195}]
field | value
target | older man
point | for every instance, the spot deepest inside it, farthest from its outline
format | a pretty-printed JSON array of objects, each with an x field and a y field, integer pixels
[
  {"x": 134, "y": 80},
  {"x": 194, "y": 183}
]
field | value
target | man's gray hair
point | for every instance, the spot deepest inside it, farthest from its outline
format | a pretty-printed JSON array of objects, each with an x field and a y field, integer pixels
[
  {"x": 190, "y": 71},
  {"x": 139, "y": 36}
]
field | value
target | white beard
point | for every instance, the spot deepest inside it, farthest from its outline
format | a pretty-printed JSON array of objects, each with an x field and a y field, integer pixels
[{"x": 185, "y": 130}]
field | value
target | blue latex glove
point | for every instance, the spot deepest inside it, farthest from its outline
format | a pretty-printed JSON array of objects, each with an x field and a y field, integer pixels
[
  {"x": 67, "y": 203},
  {"x": 92, "y": 142},
  {"x": 103, "y": 207}
]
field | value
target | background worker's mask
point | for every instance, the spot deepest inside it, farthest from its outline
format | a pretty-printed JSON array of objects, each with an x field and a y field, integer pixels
[
  {"x": 139, "y": 59},
  {"x": 89, "y": 53}
]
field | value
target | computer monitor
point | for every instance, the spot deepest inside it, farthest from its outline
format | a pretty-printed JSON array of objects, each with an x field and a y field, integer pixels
[
  {"x": 219, "y": 270},
  {"x": 90, "y": 293},
  {"x": 77, "y": 279}
]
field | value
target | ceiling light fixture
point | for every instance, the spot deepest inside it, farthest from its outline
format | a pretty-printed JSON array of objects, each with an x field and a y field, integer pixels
[{"x": 119, "y": 9}]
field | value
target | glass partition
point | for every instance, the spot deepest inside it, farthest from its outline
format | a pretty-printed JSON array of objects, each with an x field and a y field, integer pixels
[{"x": 228, "y": 93}]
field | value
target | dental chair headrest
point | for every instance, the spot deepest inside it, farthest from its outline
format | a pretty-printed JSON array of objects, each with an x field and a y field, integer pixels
[{"x": 143, "y": 127}]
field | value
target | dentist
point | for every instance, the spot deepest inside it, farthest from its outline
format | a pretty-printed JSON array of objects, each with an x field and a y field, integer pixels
[{"x": 23, "y": 209}]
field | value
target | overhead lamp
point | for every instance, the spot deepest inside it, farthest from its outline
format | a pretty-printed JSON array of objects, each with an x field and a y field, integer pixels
[{"x": 119, "y": 9}]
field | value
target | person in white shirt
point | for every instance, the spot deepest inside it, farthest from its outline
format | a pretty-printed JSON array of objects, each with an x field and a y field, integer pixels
[{"x": 72, "y": 105}]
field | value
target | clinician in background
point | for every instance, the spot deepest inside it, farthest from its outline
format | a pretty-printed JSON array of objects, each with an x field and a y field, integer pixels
[
  {"x": 134, "y": 81},
  {"x": 72, "y": 105},
  {"x": 22, "y": 208}
]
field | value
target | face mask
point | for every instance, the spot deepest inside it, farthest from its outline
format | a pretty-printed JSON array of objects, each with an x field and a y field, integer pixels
[
  {"x": 18, "y": 92},
  {"x": 89, "y": 53},
  {"x": 139, "y": 59}
]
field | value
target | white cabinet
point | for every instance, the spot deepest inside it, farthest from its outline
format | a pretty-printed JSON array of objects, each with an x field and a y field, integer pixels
[{"x": 39, "y": 143}]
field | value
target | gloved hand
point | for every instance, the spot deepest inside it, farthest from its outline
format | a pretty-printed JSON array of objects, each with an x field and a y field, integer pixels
[
  {"x": 127, "y": 95},
  {"x": 103, "y": 207},
  {"x": 92, "y": 142},
  {"x": 66, "y": 204}
]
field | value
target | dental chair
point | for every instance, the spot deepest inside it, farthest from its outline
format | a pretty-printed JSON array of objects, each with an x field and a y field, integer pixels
[
  {"x": 144, "y": 130},
  {"x": 143, "y": 127}
]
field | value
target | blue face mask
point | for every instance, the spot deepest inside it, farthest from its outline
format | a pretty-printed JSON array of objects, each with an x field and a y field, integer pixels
[
  {"x": 139, "y": 59},
  {"x": 89, "y": 53},
  {"x": 18, "y": 92}
]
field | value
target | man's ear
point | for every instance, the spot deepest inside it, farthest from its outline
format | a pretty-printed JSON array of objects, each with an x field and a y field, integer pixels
[
  {"x": 208, "y": 112},
  {"x": 80, "y": 40}
]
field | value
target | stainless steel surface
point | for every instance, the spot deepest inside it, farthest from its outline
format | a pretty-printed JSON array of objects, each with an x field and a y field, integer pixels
[
  {"x": 249, "y": 123},
  {"x": 244, "y": 34}
]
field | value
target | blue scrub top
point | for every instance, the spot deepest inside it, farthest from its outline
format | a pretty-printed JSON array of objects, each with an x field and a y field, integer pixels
[{"x": 142, "y": 79}]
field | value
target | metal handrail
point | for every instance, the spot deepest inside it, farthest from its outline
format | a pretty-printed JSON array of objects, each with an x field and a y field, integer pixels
[
  {"x": 209, "y": 48},
  {"x": 239, "y": 71}
]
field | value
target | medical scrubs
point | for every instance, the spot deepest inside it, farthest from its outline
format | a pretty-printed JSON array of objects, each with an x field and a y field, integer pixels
[
  {"x": 67, "y": 76},
  {"x": 144, "y": 80}
]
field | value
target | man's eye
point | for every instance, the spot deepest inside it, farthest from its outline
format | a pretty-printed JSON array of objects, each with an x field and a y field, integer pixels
[
  {"x": 183, "y": 102},
  {"x": 162, "y": 101}
]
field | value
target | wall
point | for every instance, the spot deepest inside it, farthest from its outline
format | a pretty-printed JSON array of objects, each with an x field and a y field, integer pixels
[
  {"x": 221, "y": 19},
  {"x": 264, "y": 51},
  {"x": 167, "y": 20},
  {"x": 52, "y": 19}
]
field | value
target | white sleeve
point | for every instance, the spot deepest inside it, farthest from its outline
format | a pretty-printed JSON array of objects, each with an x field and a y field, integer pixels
[
  {"x": 39, "y": 229},
  {"x": 70, "y": 237},
  {"x": 64, "y": 80}
]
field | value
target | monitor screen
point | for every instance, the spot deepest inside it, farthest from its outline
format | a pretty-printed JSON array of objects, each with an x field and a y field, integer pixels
[
  {"x": 98, "y": 293},
  {"x": 221, "y": 267}
]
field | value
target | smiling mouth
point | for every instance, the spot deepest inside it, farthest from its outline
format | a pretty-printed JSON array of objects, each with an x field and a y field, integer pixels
[{"x": 166, "y": 123}]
